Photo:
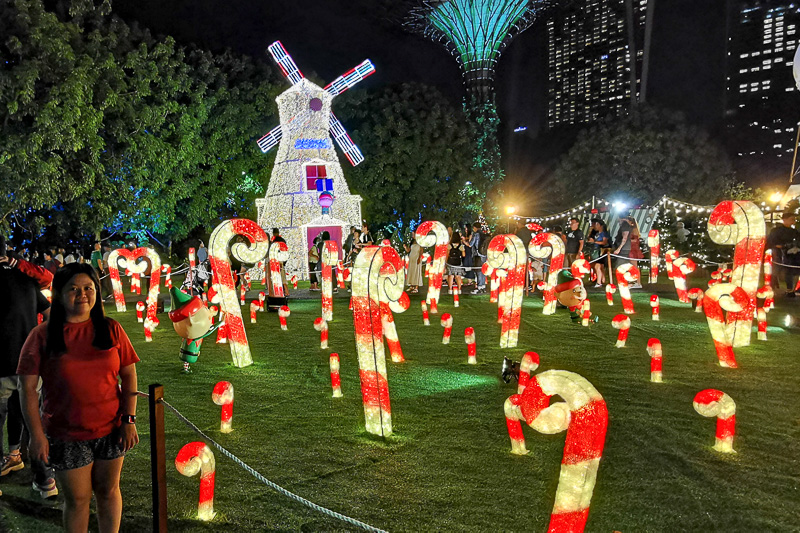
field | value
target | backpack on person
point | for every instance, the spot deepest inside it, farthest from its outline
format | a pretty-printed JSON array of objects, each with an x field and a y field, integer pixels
[
  {"x": 454, "y": 255},
  {"x": 483, "y": 245}
]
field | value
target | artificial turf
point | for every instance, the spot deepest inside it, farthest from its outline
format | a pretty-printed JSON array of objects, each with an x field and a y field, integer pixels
[{"x": 448, "y": 465}]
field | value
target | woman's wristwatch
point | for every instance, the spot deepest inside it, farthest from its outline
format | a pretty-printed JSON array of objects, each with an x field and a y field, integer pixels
[{"x": 128, "y": 419}]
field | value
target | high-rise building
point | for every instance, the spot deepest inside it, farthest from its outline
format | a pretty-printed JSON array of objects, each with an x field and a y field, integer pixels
[
  {"x": 589, "y": 60},
  {"x": 762, "y": 104}
]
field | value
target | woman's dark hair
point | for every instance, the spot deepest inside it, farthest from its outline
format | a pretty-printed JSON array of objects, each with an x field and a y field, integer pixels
[
  {"x": 58, "y": 313},
  {"x": 456, "y": 238}
]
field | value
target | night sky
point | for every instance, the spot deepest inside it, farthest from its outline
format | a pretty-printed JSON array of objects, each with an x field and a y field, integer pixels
[{"x": 331, "y": 36}]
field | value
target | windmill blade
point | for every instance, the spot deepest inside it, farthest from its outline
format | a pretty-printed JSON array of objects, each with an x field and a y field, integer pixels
[
  {"x": 345, "y": 142},
  {"x": 270, "y": 139},
  {"x": 285, "y": 62},
  {"x": 350, "y": 78}
]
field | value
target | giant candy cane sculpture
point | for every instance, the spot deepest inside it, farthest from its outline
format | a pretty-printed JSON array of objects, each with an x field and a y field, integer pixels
[
  {"x": 721, "y": 298},
  {"x": 116, "y": 282},
  {"x": 583, "y": 414},
  {"x": 712, "y": 402},
  {"x": 278, "y": 253},
  {"x": 221, "y": 269},
  {"x": 626, "y": 274},
  {"x": 654, "y": 242},
  {"x": 197, "y": 457},
  {"x": 507, "y": 254},
  {"x": 433, "y": 233},
  {"x": 741, "y": 223},
  {"x": 378, "y": 277},
  {"x": 681, "y": 267},
  {"x": 330, "y": 255},
  {"x": 555, "y": 250},
  {"x": 138, "y": 268}
]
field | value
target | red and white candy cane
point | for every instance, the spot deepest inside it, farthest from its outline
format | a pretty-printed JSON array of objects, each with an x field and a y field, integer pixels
[
  {"x": 150, "y": 324},
  {"x": 610, "y": 290},
  {"x": 654, "y": 303},
  {"x": 262, "y": 300},
  {"x": 696, "y": 296},
  {"x": 627, "y": 274},
  {"x": 336, "y": 379},
  {"x": 254, "y": 307},
  {"x": 768, "y": 295},
  {"x": 378, "y": 277},
  {"x": 654, "y": 242},
  {"x": 584, "y": 415},
  {"x": 508, "y": 258},
  {"x": 139, "y": 268},
  {"x": 447, "y": 324},
  {"x": 494, "y": 282},
  {"x": 330, "y": 255},
  {"x": 579, "y": 268},
  {"x": 192, "y": 264},
  {"x": 770, "y": 303},
  {"x": 456, "y": 294},
  {"x": 549, "y": 245},
  {"x": 433, "y": 233},
  {"x": 389, "y": 329},
  {"x": 222, "y": 395},
  {"x": 136, "y": 283},
  {"x": 669, "y": 257},
  {"x": 741, "y": 223},
  {"x": 221, "y": 268},
  {"x": 278, "y": 253},
  {"x": 425, "y": 316},
  {"x": 140, "y": 307},
  {"x": 262, "y": 267},
  {"x": 681, "y": 267},
  {"x": 528, "y": 365},
  {"x": 283, "y": 314},
  {"x": 116, "y": 282},
  {"x": 242, "y": 292},
  {"x": 720, "y": 299},
  {"x": 713, "y": 402},
  {"x": 656, "y": 357},
  {"x": 197, "y": 457},
  {"x": 586, "y": 311},
  {"x": 623, "y": 324},
  {"x": 321, "y": 325},
  {"x": 294, "y": 282},
  {"x": 167, "y": 270},
  {"x": 340, "y": 274},
  {"x": 726, "y": 274},
  {"x": 472, "y": 352},
  {"x": 761, "y": 314},
  {"x": 501, "y": 295}
]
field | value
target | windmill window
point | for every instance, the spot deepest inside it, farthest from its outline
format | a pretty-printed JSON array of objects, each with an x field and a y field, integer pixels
[{"x": 313, "y": 172}]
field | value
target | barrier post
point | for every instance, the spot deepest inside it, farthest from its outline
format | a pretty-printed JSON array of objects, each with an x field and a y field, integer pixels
[{"x": 158, "y": 458}]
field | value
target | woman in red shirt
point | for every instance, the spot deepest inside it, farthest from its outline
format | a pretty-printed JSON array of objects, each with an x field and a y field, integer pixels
[{"x": 87, "y": 421}]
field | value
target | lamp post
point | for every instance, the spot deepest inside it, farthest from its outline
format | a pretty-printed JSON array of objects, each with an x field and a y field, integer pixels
[{"x": 509, "y": 211}]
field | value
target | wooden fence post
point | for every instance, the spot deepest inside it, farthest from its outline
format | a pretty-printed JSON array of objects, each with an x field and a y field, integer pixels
[{"x": 158, "y": 458}]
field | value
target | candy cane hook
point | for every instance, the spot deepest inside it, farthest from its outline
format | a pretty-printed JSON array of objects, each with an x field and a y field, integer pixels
[
  {"x": 721, "y": 298},
  {"x": 528, "y": 365},
  {"x": 469, "y": 338},
  {"x": 681, "y": 267},
  {"x": 222, "y": 395},
  {"x": 507, "y": 257},
  {"x": 654, "y": 303},
  {"x": 197, "y": 457},
  {"x": 712, "y": 402},
  {"x": 278, "y": 254},
  {"x": 321, "y": 325},
  {"x": 696, "y": 295},
  {"x": 433, "y": 233},
  {"x": 623, "y": 324},
  {"x": 283, "y": 314},
  {"x": 610, "y": 290},
  {"x": 550, "y": 245},
  {"x": 656, "y": 355},
  {"x": 626, "y": 275}
]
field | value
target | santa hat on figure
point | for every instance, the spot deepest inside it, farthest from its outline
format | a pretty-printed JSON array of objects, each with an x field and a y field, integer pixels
[{"x": 192, "y": 320}]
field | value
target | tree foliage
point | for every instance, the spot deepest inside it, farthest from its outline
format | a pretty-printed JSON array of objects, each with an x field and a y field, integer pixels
[
  {"x": 641, "y": 157},
  {"x": 419, "y": 155}
]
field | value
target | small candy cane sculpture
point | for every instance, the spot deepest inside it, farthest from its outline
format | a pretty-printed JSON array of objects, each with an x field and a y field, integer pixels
[
  {"x": 626, "y": 275},
  {"x": 656, "y": 355},
  {"x": 469, "y": 338},
  {"x": 167, "y": 270},
  {"x": 192, "y": 264},
  {"x": 654, "y": 303},
  {"x": 336, "y": 379},
  {"x": 330, "y": 255},
  {"x": 278, "y": 253},
  {"x": 447, "y": 324},
  {"x": 262, "y": 299},
  {"x": 712, "y": 402},
  {"x": 741, "y": 223},
  {"x": 528, "y": 365},
  {"x": 507, "y": 257},
  {"x": 654, "y": 242},
  {"x": 456, "y": 294},
  {"x": 433, "y": 233},
  {"x": 770, "y": 303},
  {"x": 550, "y": 245},
  {"x": 721, "y": 298},
  {"x": 623, "y": 324},
  {"x": 223, "y": 395},
  {"x": 294, "y": 282},
  {"x": 254, "y": 307},
  {"x": 669, "y": 257},
  {"x": 610, "y": 290},
  {"x": 579, "y": 268},
  {"x": 586, "y": 310},
  {"x": 584, "y": 415},
  {"x": 681, "y": 267},
  {"x": 378, "y": 276},
  {"x": 242, "y": 293},
  {"x": 150, "y": 324},
  {"x": 221, "y": 268},
  {"x": 390, "y": 331},
  {"x": 140, "y": 307},
  {"x": 340, "y": 274},
  {"x": 696, "y": 296},
  {"x": 321, "y": 325},
  {"x": 197, "y": 457},
  {"x": 425, "y": 317},
  {"x": 768, "y": 295},
  {"x": 761, "y": 314},
  {"x": 283, "y": 314}
]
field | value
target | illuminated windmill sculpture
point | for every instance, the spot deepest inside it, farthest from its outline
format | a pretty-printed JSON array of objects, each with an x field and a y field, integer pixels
[{"x": 307, "y": 192}]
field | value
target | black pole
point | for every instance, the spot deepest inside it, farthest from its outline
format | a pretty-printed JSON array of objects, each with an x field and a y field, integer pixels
[{"x": 158, "y": 458}]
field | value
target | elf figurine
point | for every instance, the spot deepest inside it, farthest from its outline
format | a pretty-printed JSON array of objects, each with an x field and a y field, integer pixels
[
  {"x": 571, "y": 293},
  {"x": 192, "y": 321}
]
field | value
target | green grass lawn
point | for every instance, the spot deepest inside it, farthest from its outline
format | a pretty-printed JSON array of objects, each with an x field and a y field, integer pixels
[{"x": 448, "y": 465}]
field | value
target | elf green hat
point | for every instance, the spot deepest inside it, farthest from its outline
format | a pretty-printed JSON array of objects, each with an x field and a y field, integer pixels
[
  {"x": 566, "y": 281},
  {"x": 183, "y": 305}
]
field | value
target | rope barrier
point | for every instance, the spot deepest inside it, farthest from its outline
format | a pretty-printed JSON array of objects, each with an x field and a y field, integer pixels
[{"x": 261, "y": 478}]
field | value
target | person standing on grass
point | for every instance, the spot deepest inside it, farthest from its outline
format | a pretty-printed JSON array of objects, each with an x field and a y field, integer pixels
[
  {"x": 455, "y": 258},
  {"x": 575, "y": 240},
  {"x": 88, "y": 416},
  {"x": 784, "y": 241}
]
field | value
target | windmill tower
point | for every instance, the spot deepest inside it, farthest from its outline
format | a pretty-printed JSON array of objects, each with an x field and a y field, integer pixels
[{"x": 307, "y": 192}]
